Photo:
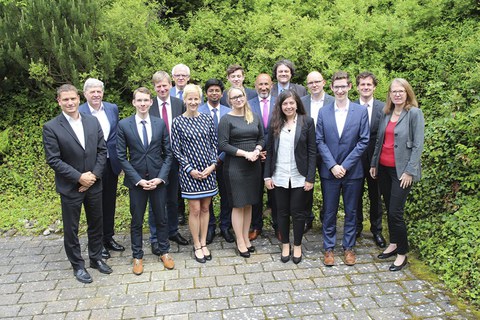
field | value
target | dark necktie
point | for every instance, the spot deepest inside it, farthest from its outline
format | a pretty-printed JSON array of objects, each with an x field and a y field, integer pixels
[
  {"x": 180, "y": 95},
  {"x": 215, "y": 118},
  {"x": 145, "y": 136},
  {"x": 165, "y": 115}
]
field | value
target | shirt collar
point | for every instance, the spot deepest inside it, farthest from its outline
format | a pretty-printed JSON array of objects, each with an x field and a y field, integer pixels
[
  {"x": 340, "y": 110},
  {"x": 370, "y": 102},
  {"x": 93, "y": 111},
  {"x": 138, "y": 119},
  {"x": 70, "y": 119}
]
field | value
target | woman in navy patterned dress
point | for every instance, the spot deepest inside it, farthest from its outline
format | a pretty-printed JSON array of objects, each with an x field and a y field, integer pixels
[{"x": 194, "y": 144}]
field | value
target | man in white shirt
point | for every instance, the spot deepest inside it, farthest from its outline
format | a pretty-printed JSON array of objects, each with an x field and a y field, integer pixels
[{"x": 181, "y": 76}]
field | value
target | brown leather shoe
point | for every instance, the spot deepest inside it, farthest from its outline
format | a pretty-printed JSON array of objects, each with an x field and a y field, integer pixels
[
  {"x": 350, "y": 257},
  {"x": 137, "y": 266},
  {"x": 167, "y": 261},
  {"x": 252, "y": 235},
  {"x": 328, "y": 259}
]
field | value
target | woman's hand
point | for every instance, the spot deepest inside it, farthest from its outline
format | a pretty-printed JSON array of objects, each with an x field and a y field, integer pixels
[
  {"x": 269, "y": 184},
  {"x": 373, "y": 172},
  {"x": 405, "y": 180},
  {"x": 308, "y": 186},
  {"x": 208, "y": 170},
  {"x": 195, "y": 174}
]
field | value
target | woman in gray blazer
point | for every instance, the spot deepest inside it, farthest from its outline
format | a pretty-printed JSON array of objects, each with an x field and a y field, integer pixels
[
  {"x": 290, "y": 168},
  {"x": 396, "y": 162}
]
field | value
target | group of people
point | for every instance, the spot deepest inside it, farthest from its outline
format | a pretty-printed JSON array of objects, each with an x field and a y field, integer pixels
[{"x": 176, "y": 147}]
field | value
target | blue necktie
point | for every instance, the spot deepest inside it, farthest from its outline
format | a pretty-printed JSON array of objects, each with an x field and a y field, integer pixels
[
  {"x": 145, "y": 136},
  {"x": 180, "y": 95},
  {"x": 215, "y": 118}
]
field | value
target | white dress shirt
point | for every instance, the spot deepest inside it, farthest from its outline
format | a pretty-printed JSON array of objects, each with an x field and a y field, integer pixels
[
  {"x": 77, "y": 127},
  {"x": 315, "y": 107},
  {"x": 169, "y": 109},
  {"x": 369, "y": 108},
  {"x": 341, "y": 117},
  {"x": 148, "y": 125}
]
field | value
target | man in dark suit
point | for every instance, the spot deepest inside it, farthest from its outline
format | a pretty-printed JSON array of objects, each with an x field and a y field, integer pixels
[
  {"x": 107, "y": 115},
  {"x": 283, "y": 71},
  {"x": 144, "y": 151},
  {"x": 313, "y": 102},
  {"x": 167, "y": 108},
  {"x": 75, "y": 150},
  {"x": 366, "y": 84},
  {"x": 213, "y": 91},
  {"x": 236, "y": 76},
  {"x": 263, "y": 106},
  {"x": 342, "y": 136}
]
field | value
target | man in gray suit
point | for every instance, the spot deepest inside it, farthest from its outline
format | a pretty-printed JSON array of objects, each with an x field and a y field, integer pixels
[
  {"x": 283, "y": 71},
  {"x": 366, "y": 84},
  {"x": 313, "y": 103}
]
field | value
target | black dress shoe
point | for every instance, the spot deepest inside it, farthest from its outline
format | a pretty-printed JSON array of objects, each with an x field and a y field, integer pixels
[
  {"x": 179, "y": 239},
  {"x": 210, "y": 236},
  {"x": 207, "y": 257},
  {"x": 308, "y": 226},
  {"x": 227, "y": 235},
  {"x": 393, "y": 267},
  {"x": 101, "y": 266},
  {"x": 113, "y": 245},
  {"x": 105, "y": 253},
  {"x": 199, "y": 260},
  {"x": 156, "y": 249},
  {"x": 284, "y": 259},
  {"x": 245, "y": 254},
  {"x": 82, "y": 275},
  {"x": 379, "y": 240},
  {"x": 251, "y": 249},
  {"x": 296, "y": 260},
  {"x": 387, "y": 255}
]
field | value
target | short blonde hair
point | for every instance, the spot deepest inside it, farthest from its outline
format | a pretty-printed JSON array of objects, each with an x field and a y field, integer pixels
[{"x": 191, "y": 88}]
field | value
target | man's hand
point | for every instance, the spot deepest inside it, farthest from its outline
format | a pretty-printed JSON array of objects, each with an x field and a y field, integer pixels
[
  {"x": 338, "y": 171},
  {"x": 87, "y": 179}
]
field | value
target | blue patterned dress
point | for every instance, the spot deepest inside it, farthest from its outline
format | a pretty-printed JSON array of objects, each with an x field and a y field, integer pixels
[{"x": 194, "y": 144}]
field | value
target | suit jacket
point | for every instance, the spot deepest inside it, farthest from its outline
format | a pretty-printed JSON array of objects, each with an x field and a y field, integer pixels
[
  {"x": 250, "y": 95},
  {"x": 304, "y": 149},
  {"x": 307, "y": 102},
  {"x": 223, "y": 111},
  {"x": 66, "y": 156},
  {"x": 377, "y": 114},
  {"x": 409, "y": 137},
  {"x": 177, "y": 108},
  {"x": 256, "y": 108},
  {"x": 299, "y": 89},
  {"x": 346, "y": 150},
  {"x": 141, "y": 163},
  {"x": 111, "y": 110}
]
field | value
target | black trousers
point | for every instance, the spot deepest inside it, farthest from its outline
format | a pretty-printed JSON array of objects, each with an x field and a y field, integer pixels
[
  {"x": 257, "y": 209},
  {"x": 291, "y": 202},
  {"x": 71, "y": 209},
  {"x": 109, "y": 198},
  {"x": 225, "y": 215},
  {"x": 375, "y": 206},
  {"x": 395, "y": 198}
]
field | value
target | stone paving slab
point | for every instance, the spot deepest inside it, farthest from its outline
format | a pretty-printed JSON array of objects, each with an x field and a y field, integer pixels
[{"x": 36, "y": 282}]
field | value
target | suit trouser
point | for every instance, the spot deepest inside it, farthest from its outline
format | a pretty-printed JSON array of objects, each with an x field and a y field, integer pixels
[
  {"x": 109, "y": 198},
  {"x": 257, "y": 209},
  {"x": 171, "y": 207},
  {"x": 375, "y": 206},
  {"x": 225, "y": 216},
  {"x": 350, "y": 190},
  {"x": 71, "y": 209},
  {"x": 310, "y": 216},
  {"x": 395, "y": 198},
  {"x": 138, "y": 204},
  {"x": 291, "y": 202}
]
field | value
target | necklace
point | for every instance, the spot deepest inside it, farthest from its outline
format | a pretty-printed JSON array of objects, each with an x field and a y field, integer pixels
[{"x": 397, "y": 114}]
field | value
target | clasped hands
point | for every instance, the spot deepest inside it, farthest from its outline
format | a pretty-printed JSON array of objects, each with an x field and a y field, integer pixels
[
  {"x": 200, "y": 175},
  {"x": 150, "y": 184},
  {"x": 87, "y": 179},
  {"x": 338, "y": 171},
  {"x": 252, "y": 156}
]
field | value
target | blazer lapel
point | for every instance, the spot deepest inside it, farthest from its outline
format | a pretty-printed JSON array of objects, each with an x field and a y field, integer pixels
[
  {"x": 298, "y": 129},
  {"x": 64, "y": 123},
  {"x": 133, "y": 127}
]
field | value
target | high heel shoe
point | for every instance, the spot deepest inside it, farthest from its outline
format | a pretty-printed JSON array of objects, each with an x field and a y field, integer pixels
[
  {"x": 200, "y": 260},
  {"x": 393, "y": 267},
  {"x": 297, "y": 260},
  {"x": 285, "y": 259},
  {"x": 251, "y": 249},
  {"x": 387, "y": 255},
  {"x": 245, "y": 254},
  {"x": 207, "y": 257}
]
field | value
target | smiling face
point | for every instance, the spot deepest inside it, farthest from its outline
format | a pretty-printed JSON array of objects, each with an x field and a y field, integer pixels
[
  {"x": 69, "y": 102},
  {"x": 163, "y": 89},
  {"x": 283, "y": 74},
  {"x": 94, "y": 96},
  {"x": 289, "y": 107},
  {"x": 181, "y": 76},
  {"x": 214, "y": 93},
  {"x": 340, "y": 88},
  {"x": 142, "y": 103},
  {"x": 366, "y": 88},
  {"x": 236, "y": 98},
  {"x": 263, "y": 85},
  {"x": 192, "y": 101},
  {"x": 236, "y": 78},
  {"x": 398, "y": 94}
]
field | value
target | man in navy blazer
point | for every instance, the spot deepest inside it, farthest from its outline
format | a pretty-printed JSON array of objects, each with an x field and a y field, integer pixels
[
  {"x": 236, "y": 76},
  {"x": 213, "y": 91},
  {"x": 283, "y": 71},
  {"x": 144, "y": 151},
  {"x": 366, "y": 84},
  {"x": 107, "y": 115},
  {"x": 167, "y": 108},
  {"x": 342, "y": 136},
  {"x": 181, "y": 76},
  {"x": 263, "y": 106},
  {"x": 313, "y": 102},
  {"x": 75, "y": 150}
]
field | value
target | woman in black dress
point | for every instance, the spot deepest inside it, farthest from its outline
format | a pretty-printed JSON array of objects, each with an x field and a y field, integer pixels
[{"x": 240, "y": 135}]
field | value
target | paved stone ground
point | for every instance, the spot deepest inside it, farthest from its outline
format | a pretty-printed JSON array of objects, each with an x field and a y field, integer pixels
[{"x": 36, "y": 282}]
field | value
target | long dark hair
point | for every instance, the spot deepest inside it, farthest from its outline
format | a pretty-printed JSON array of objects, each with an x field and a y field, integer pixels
[{"x": 278, "y": 117}]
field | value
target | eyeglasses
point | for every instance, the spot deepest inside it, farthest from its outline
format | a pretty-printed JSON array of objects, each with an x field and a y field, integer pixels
[
  {"x": 337, "y": 88},
  {"x": 311, "y": 83},
  {"x": 237, "y": 97},
  {"x": 398, "y": 92},
  {"x": 181, "y": 75}
]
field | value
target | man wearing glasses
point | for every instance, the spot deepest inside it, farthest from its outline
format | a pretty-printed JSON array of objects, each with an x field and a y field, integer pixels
[
  {"x": 181, "y": 76},
  {"x": 342, "y": 136},
  {"x": 313, "y": 103}
]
